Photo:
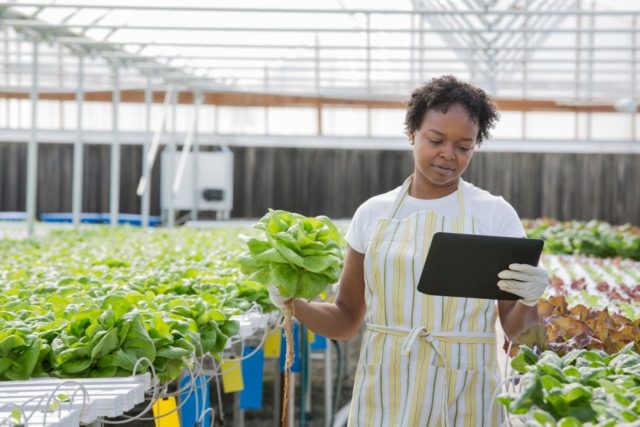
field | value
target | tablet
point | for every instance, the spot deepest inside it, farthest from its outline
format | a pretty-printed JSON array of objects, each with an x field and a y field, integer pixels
[{"x": 467, "y": 265}]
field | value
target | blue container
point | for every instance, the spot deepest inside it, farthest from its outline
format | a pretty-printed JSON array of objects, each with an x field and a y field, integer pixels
[
  {"x": 13, "y": 216},
  {"x": 319, "y": 343},
  {"x": 252, "y": 375},
  {"x": 189, "y": 412},
  {"x": 296, "y": 349},
  {"x": 67, "y": 217}
]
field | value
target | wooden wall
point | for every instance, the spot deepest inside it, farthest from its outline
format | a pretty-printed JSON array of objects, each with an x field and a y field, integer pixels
[
  {"x": 334, "y": 182},
  {"x": 55, "y": 174}
]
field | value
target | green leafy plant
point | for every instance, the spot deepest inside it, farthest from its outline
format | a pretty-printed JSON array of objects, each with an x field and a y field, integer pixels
[
  {"x": 583, "y": 386},
  {"x": 594, "y": 238},
  {"x": 92, "y": 302},
  {"x": 301, "y": 256},
  {"x": 563, "y": 329}
]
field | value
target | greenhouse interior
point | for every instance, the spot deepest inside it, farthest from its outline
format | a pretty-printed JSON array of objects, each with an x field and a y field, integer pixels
[{"x": 266, "y": 213}]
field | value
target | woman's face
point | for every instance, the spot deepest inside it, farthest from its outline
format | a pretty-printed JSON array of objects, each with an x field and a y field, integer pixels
[{"x": 444, "y": 145}]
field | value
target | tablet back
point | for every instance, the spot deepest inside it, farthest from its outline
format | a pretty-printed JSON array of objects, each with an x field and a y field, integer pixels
[{"x": 467, "y": 265}]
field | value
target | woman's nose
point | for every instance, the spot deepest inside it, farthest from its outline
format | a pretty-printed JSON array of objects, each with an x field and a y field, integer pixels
[{"x": 447, "y": 151}]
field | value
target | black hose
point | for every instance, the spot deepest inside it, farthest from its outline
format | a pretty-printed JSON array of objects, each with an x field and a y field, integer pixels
[{"x": 338, "y": 386}]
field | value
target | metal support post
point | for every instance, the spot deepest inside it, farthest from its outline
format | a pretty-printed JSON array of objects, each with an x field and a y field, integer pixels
[
  {"x": 317, "y": 66},
  {"x": 266, "y": 104},
  {"x": 421, "y": 49},
  {"x": 634, "y": 78},
  {"x": 292, "y": 400},
  {"x": 328, "y": 385},
  {"x": 304, "y": 373},
  {"x": 317, "y": 87},
  {"x": 60, "y": 84},
  {"x": 196, "y": 150},
  {"x": 32, "y": 153},
  {"x": 78, "y": 147},
  {"x": 7, "y": 79},
  {"x": 412, "y": 53},
  {"x": 368, "y": 81},
  {"x": 576, "y": 88},
  {"x": 277, "y": 390},
  {"x": 146, "y": 167},
  {"x": 19, "y": 60},
  {"x": 114, "y": 190},
  {"x": 238, "y": 414},
  {"x": 216, "y": 118},
  {"x": 171, "y": 149},
  {"x": 525, "y": 74},
  {"x": 591, "y": 37}
]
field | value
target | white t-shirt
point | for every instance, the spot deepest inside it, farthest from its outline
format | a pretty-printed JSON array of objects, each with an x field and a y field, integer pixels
[{"x": 494, "y": 215}]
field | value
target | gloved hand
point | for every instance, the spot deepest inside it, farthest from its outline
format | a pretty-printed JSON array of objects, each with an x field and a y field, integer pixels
[
  {"x": 524, "y": 280},
  {"x": 277, "y": 299}
]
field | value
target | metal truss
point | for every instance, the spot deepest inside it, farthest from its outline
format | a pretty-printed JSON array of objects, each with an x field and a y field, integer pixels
[{"x": 544, "y": 48}]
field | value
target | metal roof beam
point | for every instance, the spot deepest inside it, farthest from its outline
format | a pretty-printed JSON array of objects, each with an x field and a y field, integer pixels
[
  {"x": 62, "y": 34},
  {"x": 78, "y": 41},
  {"x": 39, "y": 24},
  {"x": 546, "y": 23},
  {"x": 303, "y": 11}
]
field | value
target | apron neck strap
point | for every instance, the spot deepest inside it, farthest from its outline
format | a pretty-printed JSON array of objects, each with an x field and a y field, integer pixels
[{"x": 404, "y": 192}]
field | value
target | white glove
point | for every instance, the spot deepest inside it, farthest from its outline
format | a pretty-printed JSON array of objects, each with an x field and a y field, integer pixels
[
  {"x": 277, "y": 299},
  {"x": 526, "y": 281}
]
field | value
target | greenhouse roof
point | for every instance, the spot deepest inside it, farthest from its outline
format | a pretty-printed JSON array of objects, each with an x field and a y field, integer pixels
[{"x": 582, "y": 53}]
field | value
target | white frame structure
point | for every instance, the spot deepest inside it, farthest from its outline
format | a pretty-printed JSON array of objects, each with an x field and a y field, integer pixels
[{"x": 578, "y": 54}]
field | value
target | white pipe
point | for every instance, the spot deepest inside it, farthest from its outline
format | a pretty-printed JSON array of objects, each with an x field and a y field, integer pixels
[
  {"x": 155, "y": 143},
  {"x": 114, "y": 186},
  {"x": 186, "y": 148},
  {"x": 32, "y": 153},
  {"x": 78, "y": 148},
  {"x": 342, "y": 416},
  {"x": 146, "y": 168}
]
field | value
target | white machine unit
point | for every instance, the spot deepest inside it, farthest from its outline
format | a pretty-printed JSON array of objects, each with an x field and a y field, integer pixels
[{"x": 205, "y": 185}]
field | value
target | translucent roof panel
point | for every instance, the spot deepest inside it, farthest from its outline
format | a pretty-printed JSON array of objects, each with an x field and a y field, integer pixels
[{"x": 560, "y": 49}]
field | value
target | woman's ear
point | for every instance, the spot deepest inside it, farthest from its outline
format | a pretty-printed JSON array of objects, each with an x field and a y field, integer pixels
[{"x": 411, "y": 136}]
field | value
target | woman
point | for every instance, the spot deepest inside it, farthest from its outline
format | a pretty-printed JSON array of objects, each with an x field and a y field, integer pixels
[{"x": 426, "y": 360}]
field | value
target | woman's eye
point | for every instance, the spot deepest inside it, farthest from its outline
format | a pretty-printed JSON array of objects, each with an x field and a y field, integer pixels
[{"x": 434, "y": 141}]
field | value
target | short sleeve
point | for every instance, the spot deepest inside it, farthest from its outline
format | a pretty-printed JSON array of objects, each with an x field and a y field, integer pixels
[
  {"x": 355, "y": 236},
  {"x": 505, "y": 220}
]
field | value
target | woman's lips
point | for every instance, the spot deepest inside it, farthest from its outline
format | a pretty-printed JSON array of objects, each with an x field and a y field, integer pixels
[{"x": 444, "y": 168}]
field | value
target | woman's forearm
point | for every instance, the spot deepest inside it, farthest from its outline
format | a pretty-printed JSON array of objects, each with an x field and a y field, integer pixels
[
  {"x": 520, "y": 318},
  {"x": 327, "y": 319}
]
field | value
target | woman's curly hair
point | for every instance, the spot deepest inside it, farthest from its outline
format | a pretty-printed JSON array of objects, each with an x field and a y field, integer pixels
[{"x": 442, "y": 92}]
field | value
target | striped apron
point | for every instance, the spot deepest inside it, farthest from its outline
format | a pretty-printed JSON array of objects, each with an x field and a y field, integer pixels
[{"x": 425, "y": 360}]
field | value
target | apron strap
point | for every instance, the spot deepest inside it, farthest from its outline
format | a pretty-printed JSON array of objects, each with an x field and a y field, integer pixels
[
  {"x": 461, "y": 201},
  {"x": 404, "y": 190}
]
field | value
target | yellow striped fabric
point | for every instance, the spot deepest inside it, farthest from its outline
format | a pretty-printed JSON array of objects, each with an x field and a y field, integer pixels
[{"x": 393, "y": 389}]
